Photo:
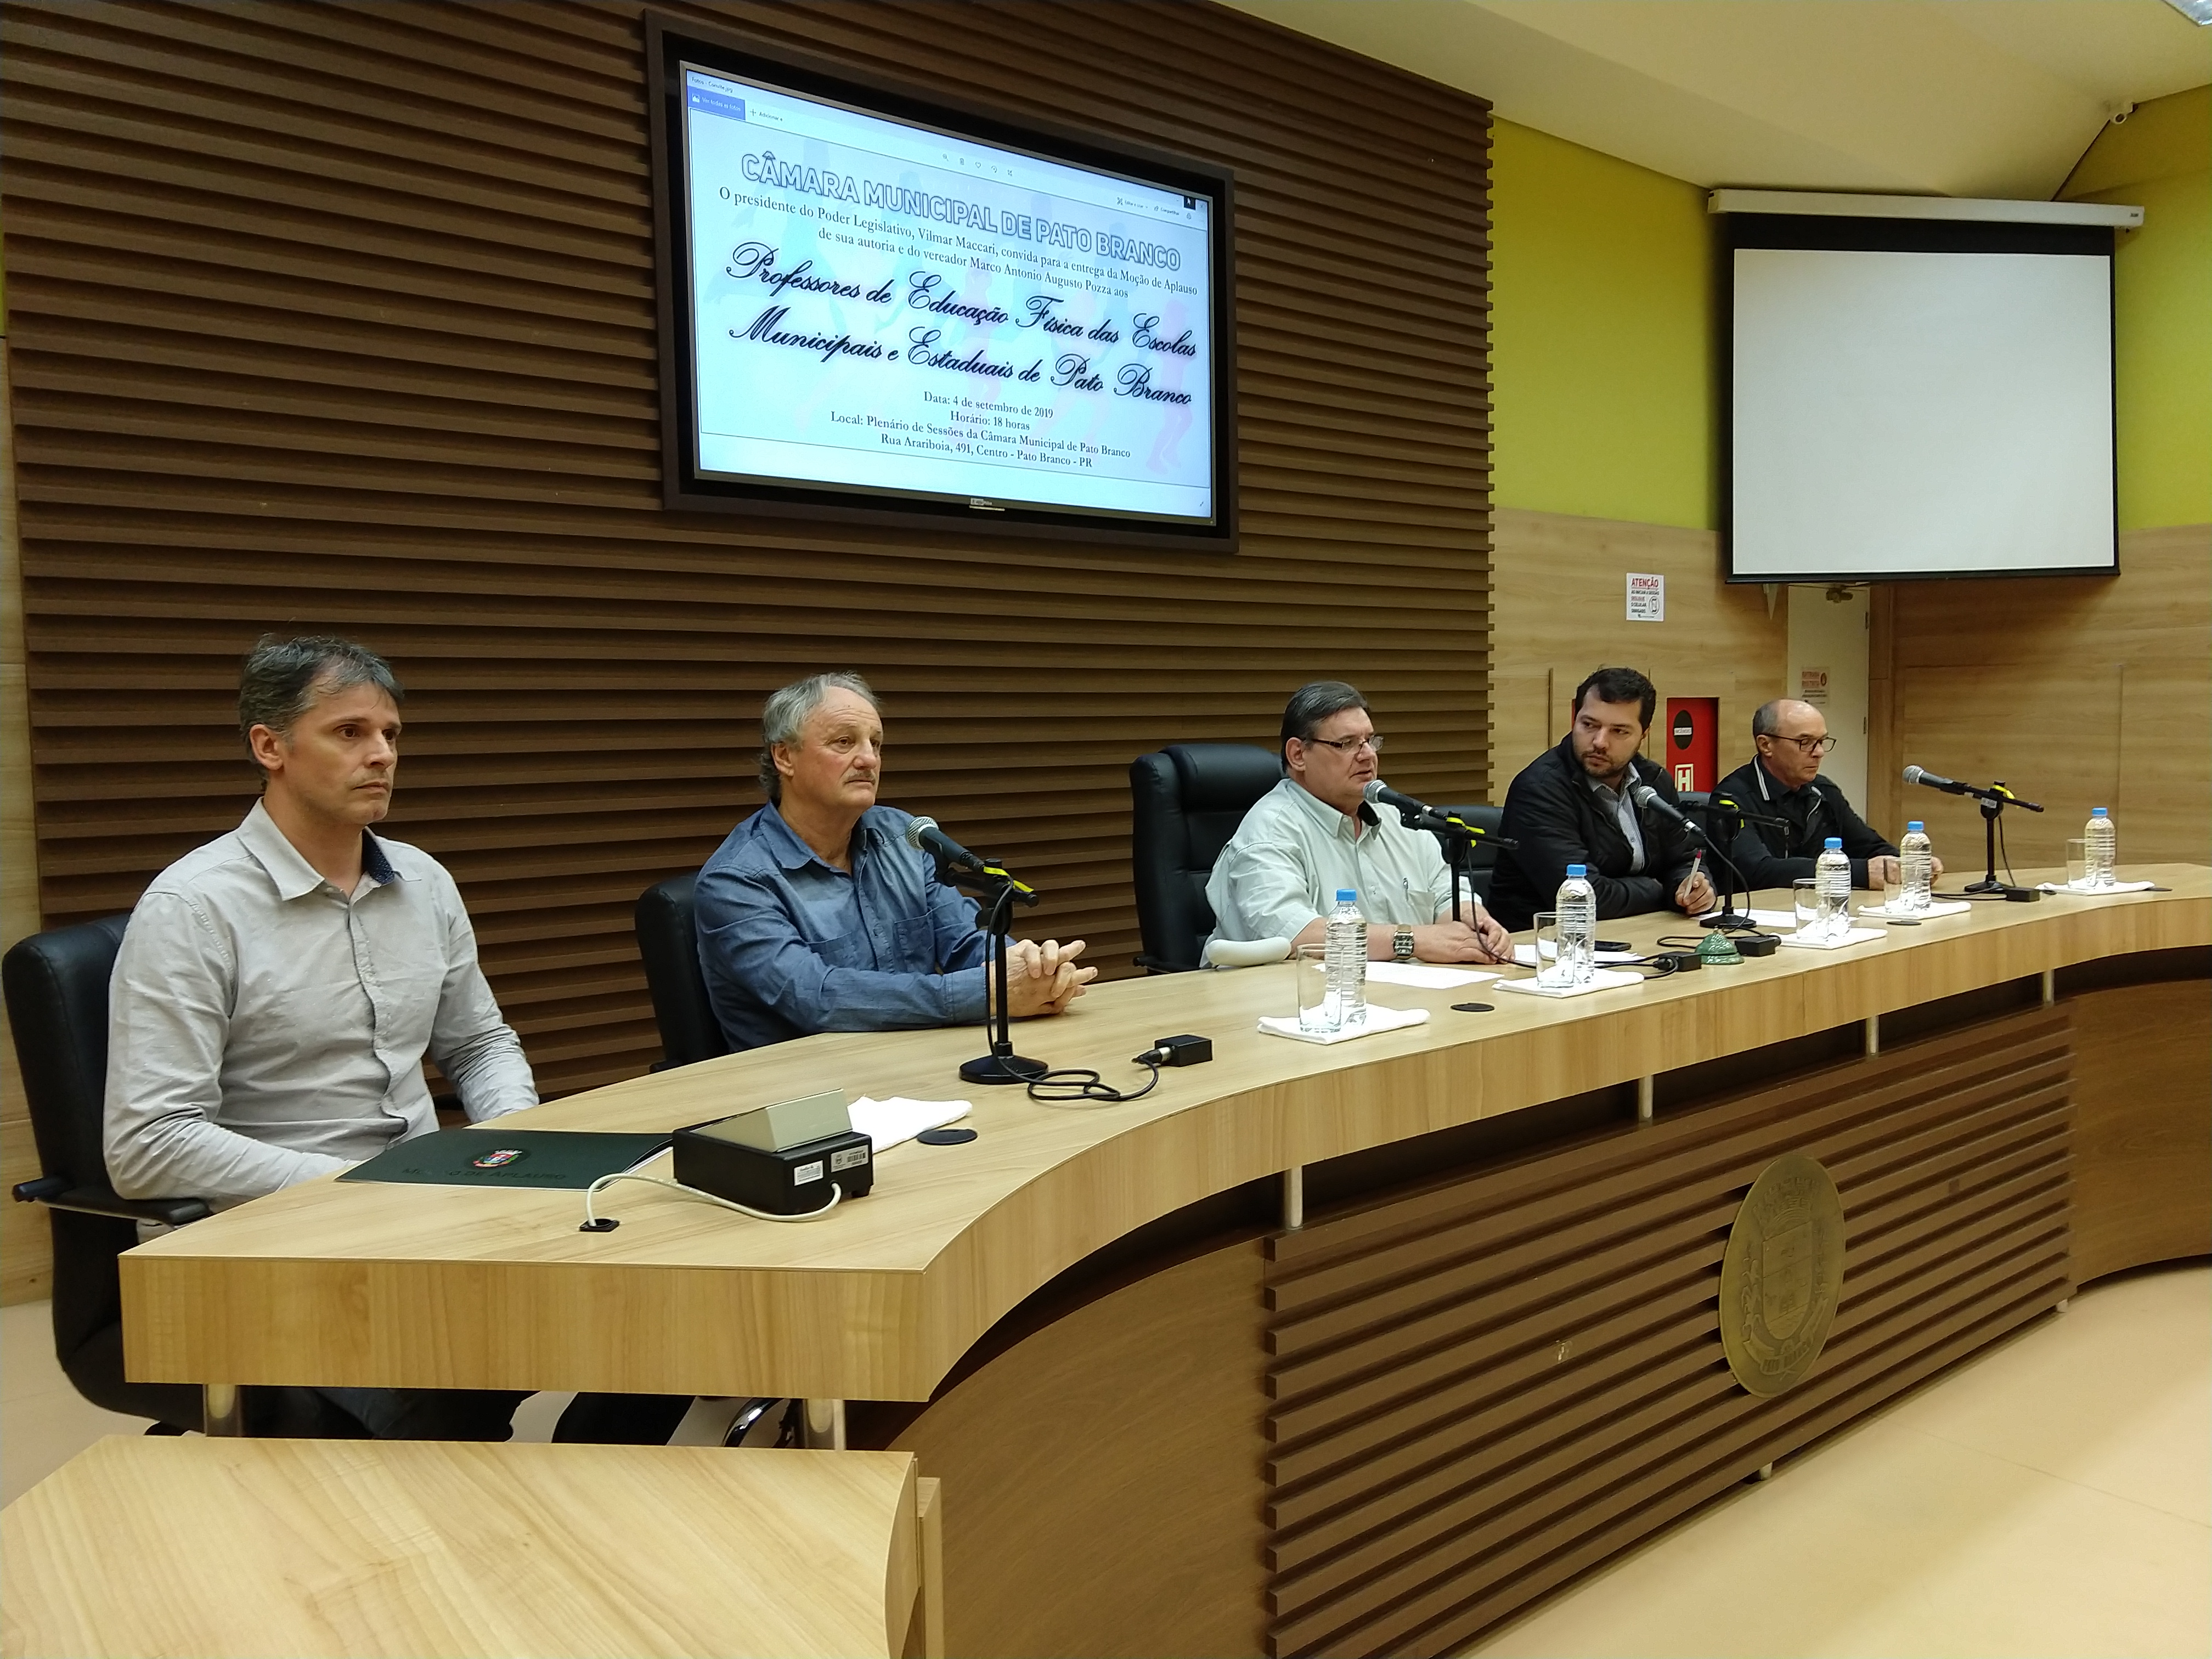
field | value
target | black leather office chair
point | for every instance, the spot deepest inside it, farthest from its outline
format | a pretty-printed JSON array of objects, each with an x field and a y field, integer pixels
[
  {"x": 1186, "y": 801},
  {"x": 1482, "y": 860},
  {"x": 56, "y": 990},
  {"x": 669, "y": 942}
]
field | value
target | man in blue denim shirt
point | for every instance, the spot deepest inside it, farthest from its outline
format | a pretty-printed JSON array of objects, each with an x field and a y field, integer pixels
[{"x": 815, "y": 916}]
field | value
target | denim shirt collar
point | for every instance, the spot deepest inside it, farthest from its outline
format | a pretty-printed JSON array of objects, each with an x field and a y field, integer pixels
[{"x": 792, "y": 854}]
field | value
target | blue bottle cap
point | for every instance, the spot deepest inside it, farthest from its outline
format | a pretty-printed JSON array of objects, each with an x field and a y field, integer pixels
[
  {"x": 1914, "y": 827},
  {"x": 1835, "y": 843},
  {"x": 2096, "y": 811},
  {"x": 1346, "y": 895},
  {"x": 1577, "y": 871}
]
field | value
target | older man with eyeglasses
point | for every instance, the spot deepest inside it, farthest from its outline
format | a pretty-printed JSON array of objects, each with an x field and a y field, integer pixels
[
  {"x": 1314, "y": 834},
  {"x": 1784, "y": 782}
]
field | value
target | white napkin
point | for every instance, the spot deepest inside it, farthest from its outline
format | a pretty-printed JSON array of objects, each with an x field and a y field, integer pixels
[
  {"x": 1855, "y": 936},
  {"x": 1936, "y": 907},
  {"x": 2094, "y": 892},
  {"x": 887, "y": 1122},
  {"x": 1599, "y": 980},
  {"x": 1425, "y": 975},
  {"x": 1378, "y": 1019}
]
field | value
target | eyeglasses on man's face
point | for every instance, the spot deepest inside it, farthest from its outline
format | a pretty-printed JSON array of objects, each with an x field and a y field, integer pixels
[
  {"x": 1372, "y": 742},
  {"x": 1811, "y": 745}
]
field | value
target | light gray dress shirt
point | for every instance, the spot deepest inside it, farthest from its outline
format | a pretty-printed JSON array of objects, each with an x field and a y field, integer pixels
[
  {"x": 1623, "y": 807},
  {"x": 265, "y": 1028},
  {"x": 1283, "y": 867}
]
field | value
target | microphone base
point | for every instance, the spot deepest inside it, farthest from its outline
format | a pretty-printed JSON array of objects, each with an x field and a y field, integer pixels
[
  {"x": 2002, "y": 889},
  {"x": 1729, "y": 919},
  {"x": 1003, "y": 1069}
]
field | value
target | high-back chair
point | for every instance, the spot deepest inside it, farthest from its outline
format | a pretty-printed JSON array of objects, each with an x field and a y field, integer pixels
[
  {"x": 1186, "y": 802},
  {"x": 668, "y": 939},
  {"x": 56, "y": 990}
]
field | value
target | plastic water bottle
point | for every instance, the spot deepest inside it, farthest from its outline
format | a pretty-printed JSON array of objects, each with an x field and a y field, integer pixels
[
  {"x": 2100, "y": 846},
  {"x": 1832, "y": 884},
  {"x": 1577, "y": 904},
  {"x": 1917, "y": 857},
  {"x": 1345, "y": 936}
]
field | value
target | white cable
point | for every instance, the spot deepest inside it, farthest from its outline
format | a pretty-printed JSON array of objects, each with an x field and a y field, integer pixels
[{"x": 592, "y": 1221}]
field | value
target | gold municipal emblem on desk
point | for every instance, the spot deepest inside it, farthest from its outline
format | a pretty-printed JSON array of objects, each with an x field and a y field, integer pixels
[{"x": 1781, "y": 1275}]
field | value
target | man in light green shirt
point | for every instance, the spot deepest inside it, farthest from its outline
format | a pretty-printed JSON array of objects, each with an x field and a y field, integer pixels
[{"x": 1314, "y": 834}]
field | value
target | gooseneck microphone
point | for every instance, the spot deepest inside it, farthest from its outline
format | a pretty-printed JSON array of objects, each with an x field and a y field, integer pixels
[
  {"x": 1644, "y": 795},
  {"x": 1379, "y": 793},
  {"x": 1948, "y": 786},
  {"x": 924, "y": 836},
  {"x": 1997, "y": 792}
]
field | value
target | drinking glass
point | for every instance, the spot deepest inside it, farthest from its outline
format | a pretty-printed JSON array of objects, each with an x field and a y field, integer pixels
[
  {"x": 1554, "y": 969},
  {"x": 2077, "y": 863},
  {"x": 1805, "y": 900},
  {"x": 1893, "y": 889},
  {"x": 1316, "y": 1014}
]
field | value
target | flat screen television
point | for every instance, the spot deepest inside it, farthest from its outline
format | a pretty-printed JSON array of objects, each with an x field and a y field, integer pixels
[{"x": 876, "y": 304}]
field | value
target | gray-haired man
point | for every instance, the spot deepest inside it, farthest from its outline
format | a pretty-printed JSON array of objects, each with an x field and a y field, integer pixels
[
  {"x": 815, "y": 916},
  {"x": 277, "y": 990}
]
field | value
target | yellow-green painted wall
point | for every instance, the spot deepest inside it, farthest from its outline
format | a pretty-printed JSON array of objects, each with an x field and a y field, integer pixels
[
  {"x": 1602, "y": 363},
  {"x": 2160, "y": 160}
]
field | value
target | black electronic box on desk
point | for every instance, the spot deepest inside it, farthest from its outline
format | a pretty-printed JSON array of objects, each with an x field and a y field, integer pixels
[{"x": 783, "y": 1158}]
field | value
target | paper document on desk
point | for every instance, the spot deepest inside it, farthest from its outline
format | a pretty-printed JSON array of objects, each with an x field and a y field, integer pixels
[
  {"x": 1425, "y": 975},
  {"x": 1764, "y": 918},
  {"x": 1526, "y": 956},
  {"x": 1831, "y": 941},
  {"x": 2094, "y": 892},
  {"x": 887, "y": 1122}
]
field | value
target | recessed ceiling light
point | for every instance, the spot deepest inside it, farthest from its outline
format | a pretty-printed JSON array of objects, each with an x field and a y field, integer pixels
[{"x": 2197, "y": 11}]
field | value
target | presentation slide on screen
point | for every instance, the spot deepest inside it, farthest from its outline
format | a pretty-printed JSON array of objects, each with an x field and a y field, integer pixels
[{"x": 882, "y": 306}]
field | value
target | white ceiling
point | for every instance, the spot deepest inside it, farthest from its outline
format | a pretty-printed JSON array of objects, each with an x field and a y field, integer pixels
[{"x": 1994, "y": 98}]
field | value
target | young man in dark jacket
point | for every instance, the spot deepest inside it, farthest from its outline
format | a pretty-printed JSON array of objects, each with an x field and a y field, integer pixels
[
  {"x": 1784, "y": 782},
  {"x": 1573, "y": 806}
]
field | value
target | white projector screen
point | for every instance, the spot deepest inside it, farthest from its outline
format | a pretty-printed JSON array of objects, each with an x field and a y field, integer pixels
[{"x": 1901, "y": 413}]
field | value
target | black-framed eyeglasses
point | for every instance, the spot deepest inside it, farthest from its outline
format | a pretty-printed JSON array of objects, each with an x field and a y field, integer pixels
[
  {"x": 1372, "y": 742},
  {"x": 1809, "y": 745}
]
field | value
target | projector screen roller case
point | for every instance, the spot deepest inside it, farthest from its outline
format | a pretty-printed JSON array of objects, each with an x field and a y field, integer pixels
[{"x": 878, "y": 308}]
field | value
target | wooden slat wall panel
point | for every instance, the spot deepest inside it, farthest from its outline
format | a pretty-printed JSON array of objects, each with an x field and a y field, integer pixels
[
  {"x": 339, "y": 315},
  {"x": 1479, "y": 1389},
  {"x": 2104, "y": 683}
]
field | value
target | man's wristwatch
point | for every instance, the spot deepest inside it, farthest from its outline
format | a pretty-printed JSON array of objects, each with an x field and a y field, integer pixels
[{"x": 1401, "y": 944}]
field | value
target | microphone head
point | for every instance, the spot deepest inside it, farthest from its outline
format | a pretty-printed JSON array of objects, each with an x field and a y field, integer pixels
[
  {"x": 1373, "y": 791},
  {"x": 915, "y": 828},
  {"x": 1912, "y": 775},
  {"x": 1643, "y": 793}
]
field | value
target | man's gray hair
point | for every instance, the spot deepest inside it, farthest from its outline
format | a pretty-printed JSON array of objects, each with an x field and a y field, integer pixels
[
  {"x": 1766, "y": 719},
  {"x": 1311, "y": 704},
  {"x": 281, "y": 679},
  {"x": 783, "y": 717}
]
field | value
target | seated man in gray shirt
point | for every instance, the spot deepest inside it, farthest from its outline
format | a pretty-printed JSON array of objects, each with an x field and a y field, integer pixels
[
  {"x": 277, "y": 989},
  {"x": 1314, "y": 834}
]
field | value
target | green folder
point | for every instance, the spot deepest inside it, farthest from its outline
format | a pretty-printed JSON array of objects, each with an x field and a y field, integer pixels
[{"x": 556, "y": 1160}]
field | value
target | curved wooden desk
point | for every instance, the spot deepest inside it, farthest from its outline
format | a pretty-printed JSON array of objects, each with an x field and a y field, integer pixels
[{"x": 1487, "y": 1360}]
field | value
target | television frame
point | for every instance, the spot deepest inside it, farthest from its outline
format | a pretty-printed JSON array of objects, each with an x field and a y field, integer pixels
[{"x": 669, "y": 43}]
